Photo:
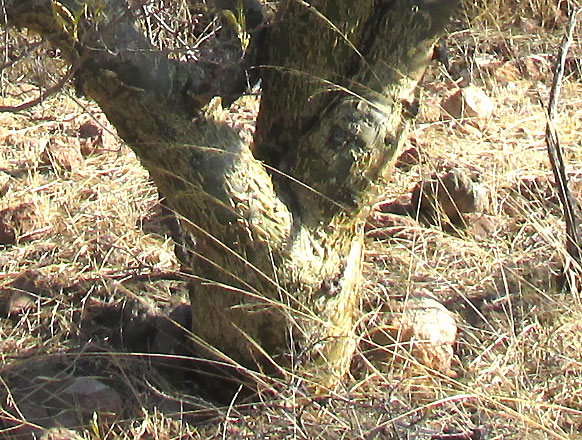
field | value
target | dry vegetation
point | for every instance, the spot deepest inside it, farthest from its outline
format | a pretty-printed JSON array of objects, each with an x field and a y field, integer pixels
[{"x": 87, "y": 273}]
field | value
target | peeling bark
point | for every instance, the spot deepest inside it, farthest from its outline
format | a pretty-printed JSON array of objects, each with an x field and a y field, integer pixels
[{"x": 279, "y": 248}]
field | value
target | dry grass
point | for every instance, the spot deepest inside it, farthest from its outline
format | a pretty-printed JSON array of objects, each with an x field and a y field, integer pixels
[
  {"x": 101, "y": 266},
  {"x": 548, "y": 13}
]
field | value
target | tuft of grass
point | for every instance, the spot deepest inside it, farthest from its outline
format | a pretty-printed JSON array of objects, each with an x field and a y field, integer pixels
[
  {"x": 548, "y": 13},
  {"x": 104, "y": 272}
]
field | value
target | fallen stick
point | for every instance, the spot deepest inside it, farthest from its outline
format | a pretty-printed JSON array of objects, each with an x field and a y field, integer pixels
[{"x": 570, "y": 206}]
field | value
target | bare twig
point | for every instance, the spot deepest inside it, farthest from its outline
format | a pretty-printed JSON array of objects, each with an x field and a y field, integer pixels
[{"x": 571, "y": 208}]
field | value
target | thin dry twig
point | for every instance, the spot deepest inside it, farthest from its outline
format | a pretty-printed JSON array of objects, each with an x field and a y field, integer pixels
[{"x": 571, "y": 208}]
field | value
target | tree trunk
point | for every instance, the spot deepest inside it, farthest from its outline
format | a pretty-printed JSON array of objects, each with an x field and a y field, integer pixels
[{"x": 278, "y": 229}]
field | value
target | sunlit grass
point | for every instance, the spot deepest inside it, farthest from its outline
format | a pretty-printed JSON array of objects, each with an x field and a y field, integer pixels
[{"x": 517, "y": 361}]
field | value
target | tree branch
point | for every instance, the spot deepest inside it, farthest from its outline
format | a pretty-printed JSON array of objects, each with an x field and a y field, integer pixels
[
  {"x": 108, "y": 39},
  {"x": 202, "y": 167}
]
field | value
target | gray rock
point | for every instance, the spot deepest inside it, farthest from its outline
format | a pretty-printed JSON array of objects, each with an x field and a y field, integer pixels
[
  {"x": 446, "y": 198},
  {"x": 88, "y": 395}
]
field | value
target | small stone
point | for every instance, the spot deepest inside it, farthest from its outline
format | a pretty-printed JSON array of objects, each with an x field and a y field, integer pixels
[
  {"x": 96, "y": 138},
  {"x": 468, "y": 102},
  {"x": 452, "y": 194},
  {"x": 400, "y": 205},
  {"x": 431, "y": 330},
  {"x": 88, "y": 395},
  {"x": 483, "y": 227},
  {"x": 60, "y": 434},
  {"x": 382, "y": 226},
  {"x": 408, "y": 158},
  {"x": 63, "y": 152},
  {"x": 89, "y": 130},
  {"x": 20, "y": 223},
  {"x": 529, "y": 25},
  {"x": 506, "y": 73},
  {"x": 538, "y": 189},
  {"x": 19, "y": 303}
]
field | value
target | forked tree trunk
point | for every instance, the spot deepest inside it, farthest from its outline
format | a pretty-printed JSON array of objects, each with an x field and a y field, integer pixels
[{"x": 278, "y": 228}]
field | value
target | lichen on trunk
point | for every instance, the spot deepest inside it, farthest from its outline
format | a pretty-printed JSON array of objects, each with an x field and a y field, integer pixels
[{"x": 278, "y": 228}]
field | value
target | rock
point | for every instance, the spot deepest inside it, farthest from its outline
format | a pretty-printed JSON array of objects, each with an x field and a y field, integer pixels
[
  {"x": 19, "y": 303},
  {"x": 573, "y": 67},
  {"x": 90, "y": 129},
  {"x": 63, "y": 152},
  {"x": 529, "y": 25},
  {"x": 408, "y": 158},
  {"x": 430, "y": 329},
  {"x": 87, "y": 395},
  {"x": 382, "y": 225},
  {"x": 506, "y": 73},
  {"x": 532, "y": 67},
  {"x": 539, "y": 190},
  {"x": 60, "y": 434},
  {"x": 95, "y": 139},
  {"x": 468, "y": 102},
  {"x": 483, "y": 227},
  {"x": 399, "y": 206},
  {"x": 420, "y": 324},
  {"x": 537, "y": 68},
  {"x": 452, "y": 194},
  {"x": 43, "y": 400},
  {"x": 20, "y": 223}
]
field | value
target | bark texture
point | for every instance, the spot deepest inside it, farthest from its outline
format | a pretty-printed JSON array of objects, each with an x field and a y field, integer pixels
[{"x": 278, "y": 229}]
